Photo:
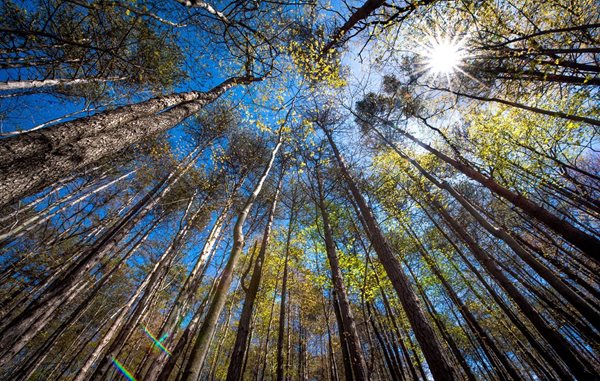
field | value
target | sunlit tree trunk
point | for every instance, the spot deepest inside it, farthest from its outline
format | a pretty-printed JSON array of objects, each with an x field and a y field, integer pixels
[
  {"x": 40, "y": 218},
  {"x": 234, "y": 372},
  {"x": 32, "y": 161},
  {"x": 183, "y": 341},
  {"x": 200, "y": 349},
  {"x": 42, "y": 84},
  {"x": 186, "y": 295},
  {"x": 122, "y": 334}
]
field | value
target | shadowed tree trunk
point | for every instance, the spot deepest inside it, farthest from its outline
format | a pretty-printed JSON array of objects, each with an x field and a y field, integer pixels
[
  {"x": 348, "y": 326},
  {"x": 437, "y": 359},
  {"x": 284, "y": 290},
  {"x": 394, "y": 371},
  {"x": 540, "y": 347},
  {"x": 488, "y": 344},
  {"x": 577, "y": 365}
]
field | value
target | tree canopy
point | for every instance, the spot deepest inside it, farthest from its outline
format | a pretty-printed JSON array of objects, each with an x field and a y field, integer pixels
[{"x": 299, "y": 190}]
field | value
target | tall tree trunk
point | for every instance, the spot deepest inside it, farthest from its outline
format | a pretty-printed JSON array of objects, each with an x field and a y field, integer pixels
[
  {"x": 200, "y": 349},
  {"x": 359, "y": 366},
  {"x": 284, "y": 290},
  {"x": 540, "y": 347},
  {"x": 121, "y": 325},
  {"x": 580, "y": 239},
  {"x": 234, "y": 372},
  {"x": 264, "y": 354},
  {"x": 30, "y": 366},
  {"x": 577, "y": 365},
  {"x": 346, "y": 359},
  {"x": 488, "y": 344},
  {"x": 437, "y": 359},
  {"x": 394, "y": 371},
  {"x": 578, "y": 302},
  {"x": 334, "y": 374},
  {"x": 20, "y": 330},
  {"x": 442, "y": 328},
  {"x": 124, "y": 332},
  {"x": 185, "y": 297},
  {"x": 32, "y": 161},
  {"x": 390, "y": 312},
  {"x": 180, "y": 345}
]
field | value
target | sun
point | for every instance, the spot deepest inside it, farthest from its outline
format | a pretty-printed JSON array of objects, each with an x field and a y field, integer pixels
[{"x": 444, "y": 57}]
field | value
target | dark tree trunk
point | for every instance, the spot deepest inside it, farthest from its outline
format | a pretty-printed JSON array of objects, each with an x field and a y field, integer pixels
[
  {"x": 437, "y": 359},
  {"x": 348, "y": 327},
  {"x": 577, "y": 365},
  {"x": 284, "y": 290}
]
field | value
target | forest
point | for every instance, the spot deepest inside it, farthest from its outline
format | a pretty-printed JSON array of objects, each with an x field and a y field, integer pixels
[{"x": 299, "y": 190}]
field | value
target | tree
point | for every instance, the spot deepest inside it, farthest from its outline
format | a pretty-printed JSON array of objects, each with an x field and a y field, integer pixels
[{"x": 433, "y": 210}]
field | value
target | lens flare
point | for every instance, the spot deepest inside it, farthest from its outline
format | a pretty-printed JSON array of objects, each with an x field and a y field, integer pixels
[
  {"x": 157, "y": 343},
  {"x": 123, "y": 370}
]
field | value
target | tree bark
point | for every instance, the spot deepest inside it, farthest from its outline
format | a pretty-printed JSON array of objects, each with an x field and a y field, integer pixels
[
  {"x": 348, "y": 328},
  {"x": 234, "y": 372},
  {"x": 37, "y": 84},
  {"x": 437, "y": 359},
  {"x": 34, "y": 160},
  {"x": 200, "y": 349}
]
